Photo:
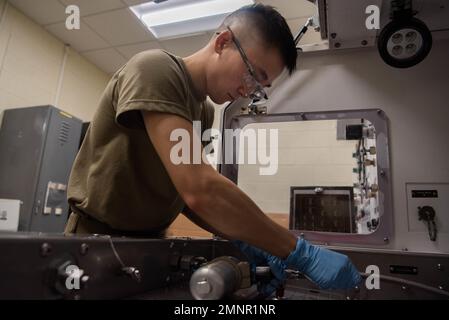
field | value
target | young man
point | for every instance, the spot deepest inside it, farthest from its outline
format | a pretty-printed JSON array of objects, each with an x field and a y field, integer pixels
[{"x": 123, "y": 181}]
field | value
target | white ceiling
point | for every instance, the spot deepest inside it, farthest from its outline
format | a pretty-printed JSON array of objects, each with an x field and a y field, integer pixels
[{"x": 110, "y": 34}]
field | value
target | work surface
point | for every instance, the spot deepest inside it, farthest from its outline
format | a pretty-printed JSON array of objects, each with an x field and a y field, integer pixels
[{"x": 35, "y": 267}]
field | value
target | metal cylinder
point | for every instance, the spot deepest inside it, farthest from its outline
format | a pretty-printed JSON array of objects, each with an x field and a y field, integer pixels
[{"x": 216, "y": 279}]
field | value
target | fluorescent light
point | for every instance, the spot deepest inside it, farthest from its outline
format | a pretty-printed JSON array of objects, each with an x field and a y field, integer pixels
[{"x": 179, "y": 17}]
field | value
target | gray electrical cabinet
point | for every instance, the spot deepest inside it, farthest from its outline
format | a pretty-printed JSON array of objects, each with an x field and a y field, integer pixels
[{"x": 37, "y": 148}]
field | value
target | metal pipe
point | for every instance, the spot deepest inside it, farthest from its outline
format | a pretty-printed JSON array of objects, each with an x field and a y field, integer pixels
[{"x": 409, "y": 283}]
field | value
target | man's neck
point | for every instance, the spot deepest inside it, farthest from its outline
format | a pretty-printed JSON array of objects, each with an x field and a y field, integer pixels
[{"x": 197, "y": 69}]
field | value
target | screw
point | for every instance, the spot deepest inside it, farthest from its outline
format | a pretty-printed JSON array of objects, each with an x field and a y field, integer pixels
[
  {"x": 439, "y": 267},
  {"x": 404, "y": 287},
  {"x": 84, "y": 279},
  {"x": 364, "y": 43},
  {"x": 333, "y": 35},
  {"x": 382, "y": 173},
  {"x": 404, "y": 249},
  {"x": 136, "y": 275},
  {"x": 84, "y": 248},
  {"x": 45, "y": 249},
  {"x": 386, "y": 239},
  {"x": 338, "y": 45},
  {"x": 441, "y": 287}
]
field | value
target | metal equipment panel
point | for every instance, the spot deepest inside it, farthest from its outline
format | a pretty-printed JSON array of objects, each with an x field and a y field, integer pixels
[
  {"x": 61, "y": 147},
  {"x": 38, "y": 146},
  {"x": 22, "y": 140}
]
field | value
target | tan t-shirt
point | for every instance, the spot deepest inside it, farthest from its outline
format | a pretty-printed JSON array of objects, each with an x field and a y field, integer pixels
[{"x": 117, "y": 177}]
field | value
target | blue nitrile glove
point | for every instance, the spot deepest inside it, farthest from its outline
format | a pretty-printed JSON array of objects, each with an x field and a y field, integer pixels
[
  {"x": 257, "y": 257},
  {"x": 328, "y": 269}
]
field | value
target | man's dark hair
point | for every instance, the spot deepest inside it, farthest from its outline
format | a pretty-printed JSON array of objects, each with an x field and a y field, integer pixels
[{"x": 271, "y": 27}]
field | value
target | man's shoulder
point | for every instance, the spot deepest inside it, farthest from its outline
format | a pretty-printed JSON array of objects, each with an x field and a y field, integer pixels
[
  {"x": 154, "y": 66},
  {"x": 154, "y": 57}
]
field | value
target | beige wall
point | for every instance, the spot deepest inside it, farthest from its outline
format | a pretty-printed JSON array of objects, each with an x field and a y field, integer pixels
[{"x": 31, "y": 60}]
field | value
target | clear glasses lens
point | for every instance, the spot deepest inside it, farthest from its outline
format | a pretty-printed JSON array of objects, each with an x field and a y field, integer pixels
[
  {"x": 258, "y": 94},
  {"x": 253, "y": 87}
]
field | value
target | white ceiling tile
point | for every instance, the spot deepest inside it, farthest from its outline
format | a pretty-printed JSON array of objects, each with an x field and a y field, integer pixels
[
  {"x": 119, "y": 27},
  {"x": 109, "y": 60},
  {"x": 88, "y": 7},
  {"x": 131, "y": 50},
  {"x": 292, "y": 9},
  {"x": 81, "y": 40},
  {"x": 187, "y": 45},
  {"x": 134, "y": 2},
  {"x": 46, "y": 12}
]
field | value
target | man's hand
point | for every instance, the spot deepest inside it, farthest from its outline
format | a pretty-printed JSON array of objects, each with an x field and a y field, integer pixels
[
  {"x": 257, "y": 257},
  {"x": 328, "y": 269}
]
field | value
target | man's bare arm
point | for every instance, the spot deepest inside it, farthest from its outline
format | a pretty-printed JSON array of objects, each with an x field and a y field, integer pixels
[{"x": 220, "y": 205}]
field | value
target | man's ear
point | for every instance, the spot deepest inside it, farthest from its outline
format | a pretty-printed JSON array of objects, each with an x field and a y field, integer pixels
[{"x": 222, "y": 40}]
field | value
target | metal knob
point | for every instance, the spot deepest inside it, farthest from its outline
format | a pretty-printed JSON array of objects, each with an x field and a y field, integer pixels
[{"x": 216, "y": 279}]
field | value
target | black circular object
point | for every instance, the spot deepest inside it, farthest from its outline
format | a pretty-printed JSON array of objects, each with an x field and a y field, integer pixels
[{"x": 399, "y": 37}]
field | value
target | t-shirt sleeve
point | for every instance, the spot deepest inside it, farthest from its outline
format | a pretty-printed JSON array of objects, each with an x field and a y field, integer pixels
[{"x": 150, "y": 81}]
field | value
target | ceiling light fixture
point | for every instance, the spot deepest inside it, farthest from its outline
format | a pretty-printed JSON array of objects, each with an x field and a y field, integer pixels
[
  {"x": 168, "y": 19},
  {"x": 405, "y": 41}
]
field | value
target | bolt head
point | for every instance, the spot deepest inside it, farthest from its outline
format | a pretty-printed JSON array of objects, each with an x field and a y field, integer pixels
[
  {"x": 84, "y": 248},
  {"x": 45, "y": 249}
]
